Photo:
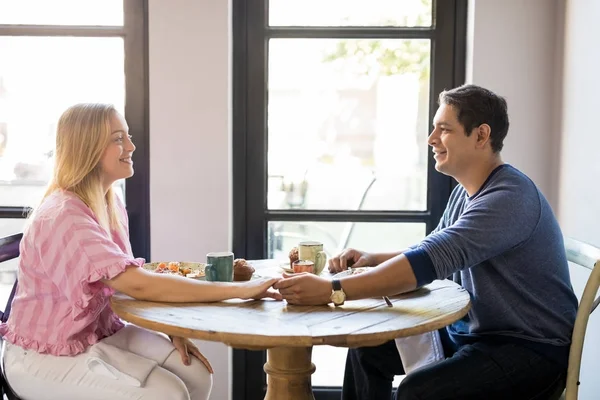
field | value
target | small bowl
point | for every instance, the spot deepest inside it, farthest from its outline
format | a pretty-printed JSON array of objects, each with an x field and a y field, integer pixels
[{"x": 303, "y": 266}]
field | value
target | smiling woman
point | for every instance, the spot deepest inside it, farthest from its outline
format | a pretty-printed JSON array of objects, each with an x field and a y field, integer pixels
[{"x": 75, "y": 253}]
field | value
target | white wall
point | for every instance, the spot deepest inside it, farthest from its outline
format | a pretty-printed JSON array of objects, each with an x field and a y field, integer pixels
[
  {"x": 190, "y": 140},
  {"x": 580, "y": 160},
  {"x": 543, "y": 56},
  {"x": 511, "y": 50},
  {"x": 579, "y": 192}
]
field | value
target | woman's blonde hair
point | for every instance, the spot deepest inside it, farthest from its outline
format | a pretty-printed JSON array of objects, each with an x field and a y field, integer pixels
[{"x": 82, "y": 136}]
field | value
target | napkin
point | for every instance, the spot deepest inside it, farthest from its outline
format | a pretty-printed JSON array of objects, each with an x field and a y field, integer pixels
[{"x": 420, "y": 350}]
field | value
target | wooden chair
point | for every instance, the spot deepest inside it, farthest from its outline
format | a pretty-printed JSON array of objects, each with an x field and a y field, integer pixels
[
  {"x": 9, "y": 249},
  {"x": 586, "y": 256}
]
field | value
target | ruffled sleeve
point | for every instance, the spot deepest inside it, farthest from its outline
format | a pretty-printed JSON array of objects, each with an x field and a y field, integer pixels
[{"x": 79, "y": 254}]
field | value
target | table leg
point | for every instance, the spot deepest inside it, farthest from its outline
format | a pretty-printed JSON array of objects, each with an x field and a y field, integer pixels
[{"x": 288, "y": 373}]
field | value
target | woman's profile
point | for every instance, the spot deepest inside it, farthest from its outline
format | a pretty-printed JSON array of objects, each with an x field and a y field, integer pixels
[{"x": 62, "y": 340}]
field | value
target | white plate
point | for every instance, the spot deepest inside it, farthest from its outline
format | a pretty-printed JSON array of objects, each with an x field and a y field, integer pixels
[{"x": 196, "y": 267}]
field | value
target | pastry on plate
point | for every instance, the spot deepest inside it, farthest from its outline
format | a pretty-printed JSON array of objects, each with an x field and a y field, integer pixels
[
  {"x": 242, "y": 271},
  {"x": 293, "y": 256}
]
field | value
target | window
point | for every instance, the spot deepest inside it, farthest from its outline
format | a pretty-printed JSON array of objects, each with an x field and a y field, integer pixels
[
  {"x": 332, "y": 105},
  {"x": 53, "y": 55}
]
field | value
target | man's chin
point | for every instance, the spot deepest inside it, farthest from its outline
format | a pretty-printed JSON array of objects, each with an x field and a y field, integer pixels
[{"x": 441, "y": 168}]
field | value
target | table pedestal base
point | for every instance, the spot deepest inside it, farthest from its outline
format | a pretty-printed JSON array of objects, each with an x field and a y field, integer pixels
[{"x": 288, "y": 373}]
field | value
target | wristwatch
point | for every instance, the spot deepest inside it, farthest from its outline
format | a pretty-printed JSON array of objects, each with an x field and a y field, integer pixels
[{"x": 338, "y": 297}]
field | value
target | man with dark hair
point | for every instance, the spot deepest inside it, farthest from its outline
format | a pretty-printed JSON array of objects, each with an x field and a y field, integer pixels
[{"x": 500, "y": 240}]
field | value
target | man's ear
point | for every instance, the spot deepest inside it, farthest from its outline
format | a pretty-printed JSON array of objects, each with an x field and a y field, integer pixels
[{"x": 483, "y": 133}]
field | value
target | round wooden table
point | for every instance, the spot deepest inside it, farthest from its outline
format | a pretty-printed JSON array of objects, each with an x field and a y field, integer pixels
[{"x": 288, "y": 332}]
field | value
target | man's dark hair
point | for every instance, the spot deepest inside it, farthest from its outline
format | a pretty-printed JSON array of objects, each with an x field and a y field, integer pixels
[{"x": 475, "y": 106}]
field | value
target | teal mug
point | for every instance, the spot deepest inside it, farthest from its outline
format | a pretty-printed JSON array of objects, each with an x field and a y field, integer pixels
[{"x": 219, "y": 267}]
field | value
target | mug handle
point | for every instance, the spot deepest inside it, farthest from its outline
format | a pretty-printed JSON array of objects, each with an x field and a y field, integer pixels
[
  {"x": 208, "y": 269},
  {"x": 320, "y": 261}
]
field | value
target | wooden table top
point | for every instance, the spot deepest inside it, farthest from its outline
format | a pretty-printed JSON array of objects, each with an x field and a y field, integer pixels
[{"x": 266, "y": 323}]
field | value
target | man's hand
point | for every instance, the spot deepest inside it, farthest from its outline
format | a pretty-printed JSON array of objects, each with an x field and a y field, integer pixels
[
  {"x": 304, "y": 289},
  {"x": 350, "y": 258},
  {"x": 185, "y": 347}
]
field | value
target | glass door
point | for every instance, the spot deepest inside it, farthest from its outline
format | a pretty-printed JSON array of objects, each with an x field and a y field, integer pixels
[{"x": 333, "y": 103}]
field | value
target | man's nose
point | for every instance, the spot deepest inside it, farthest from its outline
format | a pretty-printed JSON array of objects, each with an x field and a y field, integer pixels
[{"x": 432, "y": 138}]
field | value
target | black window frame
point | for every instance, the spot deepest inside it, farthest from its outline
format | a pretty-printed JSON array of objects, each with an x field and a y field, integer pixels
[
  {"x": 135, "y": 36},
  {"x": 250, "y": 212}
]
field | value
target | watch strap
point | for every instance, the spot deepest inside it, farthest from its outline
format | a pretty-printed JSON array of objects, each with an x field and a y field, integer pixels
[{"x": 336, "y": 284}]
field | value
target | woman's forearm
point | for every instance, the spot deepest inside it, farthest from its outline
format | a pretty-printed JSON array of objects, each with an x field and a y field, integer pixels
[
  {"x": 176, "y": 289},
  {"x": 144, "y": 285}
]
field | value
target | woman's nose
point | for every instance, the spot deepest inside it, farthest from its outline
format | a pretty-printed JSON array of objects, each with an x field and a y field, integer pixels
[{"x": 131, "y": 146}]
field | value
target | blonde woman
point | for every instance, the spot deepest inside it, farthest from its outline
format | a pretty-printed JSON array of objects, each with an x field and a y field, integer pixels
[{"x": 62, "y": 340}]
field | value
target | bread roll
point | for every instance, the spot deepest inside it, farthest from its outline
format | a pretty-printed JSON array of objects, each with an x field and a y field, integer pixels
[
  {"x": 293, "y": 256},
  {"x": 242, "y": 271}
]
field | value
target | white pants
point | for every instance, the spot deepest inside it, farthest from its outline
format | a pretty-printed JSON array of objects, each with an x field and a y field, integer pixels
[{"x": 35, "y": 376}]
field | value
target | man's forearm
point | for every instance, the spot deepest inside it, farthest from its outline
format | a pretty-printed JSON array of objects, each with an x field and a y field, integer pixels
[
  {"x": 383, "y": 257},
  {"x": 390, "y": 277}
]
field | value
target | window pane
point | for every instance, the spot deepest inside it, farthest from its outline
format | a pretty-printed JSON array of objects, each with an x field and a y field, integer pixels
[
  {"x": 347, "y": 124},
  {"x": 39, "y": 78},
  {"x": 350, "y": 13},
  {"x": 335, "y": 236},
  {"x": 368, "y": 236},
  {"x": 61, "y": 12}
]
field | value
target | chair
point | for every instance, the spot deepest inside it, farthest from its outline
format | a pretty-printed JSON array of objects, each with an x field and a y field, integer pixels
[
  {"x": 586, "y": 256},
  {"x": 9, "y": 249}
]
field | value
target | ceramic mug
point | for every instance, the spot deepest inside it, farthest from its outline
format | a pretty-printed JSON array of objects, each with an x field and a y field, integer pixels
[
  {"x": 313, "y": 251},
  {"x": 219, "y": 267}
]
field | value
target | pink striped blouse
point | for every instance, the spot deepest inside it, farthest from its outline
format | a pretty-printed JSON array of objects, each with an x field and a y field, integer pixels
[{"x": 61, "y": 306}]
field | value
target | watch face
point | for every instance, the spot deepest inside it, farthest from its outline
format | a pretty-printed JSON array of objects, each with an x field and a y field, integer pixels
[{"x": 338, "y": 297}]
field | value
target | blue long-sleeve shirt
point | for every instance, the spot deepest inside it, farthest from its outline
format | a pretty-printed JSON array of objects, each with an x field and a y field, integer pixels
[{"x": 504, "y": 246}]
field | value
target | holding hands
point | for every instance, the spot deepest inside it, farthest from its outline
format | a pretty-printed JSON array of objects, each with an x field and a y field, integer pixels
[
  {"x": 304, "y": 289},
  {"x": 310, "y": 289},
  {"x": 260, "y": 289}
]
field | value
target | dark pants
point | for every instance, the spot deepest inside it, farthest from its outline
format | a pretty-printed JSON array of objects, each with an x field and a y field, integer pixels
[{"x": 475, "y": 371}]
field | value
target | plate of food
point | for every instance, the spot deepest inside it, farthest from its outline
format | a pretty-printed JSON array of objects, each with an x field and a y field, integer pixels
[
  {"x": 286, "y": 268},
  {"x": 350, "y": 271},
  {"x": 194, "y": 270},
  {"x": 293, "y": 257}
]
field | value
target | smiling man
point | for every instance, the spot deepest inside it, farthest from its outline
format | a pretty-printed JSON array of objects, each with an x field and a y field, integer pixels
[{"x": 500, "y": 240}]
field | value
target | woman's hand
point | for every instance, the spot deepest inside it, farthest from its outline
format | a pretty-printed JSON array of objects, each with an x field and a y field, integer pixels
[
  {"x": 259, "y": 289},
  {"x": 185, "y": 346}
]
